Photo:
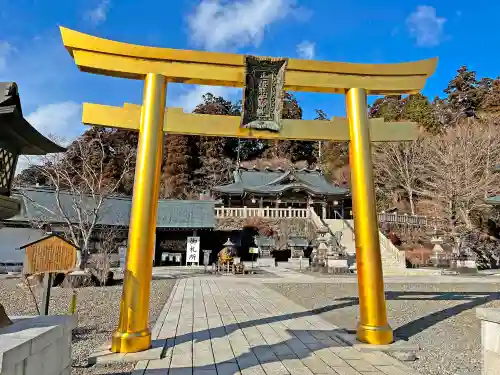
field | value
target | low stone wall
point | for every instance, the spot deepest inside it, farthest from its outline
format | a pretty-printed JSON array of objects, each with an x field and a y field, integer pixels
[
  {"x": 490, "y": 339},
  {"x": 37, "y": 345}
]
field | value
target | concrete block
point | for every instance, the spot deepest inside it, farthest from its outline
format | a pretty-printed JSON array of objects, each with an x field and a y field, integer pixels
[
  {"x": 43, "y": 336},
  {"x": 12, "y": 351},
  {"x": 490, "y": 339},
  {"x": 34, "y": 365},
  {"x": 52, "y": 360},
  {"x": 64, "y": 344}
]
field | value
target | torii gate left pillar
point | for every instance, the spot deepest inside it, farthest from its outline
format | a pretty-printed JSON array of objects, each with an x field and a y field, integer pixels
[{"x": 156, "y": 66}]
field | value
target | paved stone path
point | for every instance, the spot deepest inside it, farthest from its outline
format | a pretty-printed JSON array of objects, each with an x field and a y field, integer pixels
[{"x": 223, "y": 326}]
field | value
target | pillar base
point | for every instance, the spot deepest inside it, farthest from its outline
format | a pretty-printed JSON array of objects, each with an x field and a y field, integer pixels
[
  {"x": 130, "y": 342},
  {"x": 375, "y": 335}
]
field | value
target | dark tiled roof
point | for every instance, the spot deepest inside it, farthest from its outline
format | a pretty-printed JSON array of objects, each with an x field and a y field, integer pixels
[
  {"x": 263, "y": 241},
  {"x": 17, "y": 134},
  {"x": 41, "y": 205},
  {"x": 277, "y": 181},
  {"x": 494, "y": 201},
  {"x": 298, "y": 242}
]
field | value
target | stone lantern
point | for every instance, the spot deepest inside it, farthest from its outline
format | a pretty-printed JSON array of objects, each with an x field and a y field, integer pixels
[
  {"x": 322, "y": 249},
  {"x": 437, "y": 250}
]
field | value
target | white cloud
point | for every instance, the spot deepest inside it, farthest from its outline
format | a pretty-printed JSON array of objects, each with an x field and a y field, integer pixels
[
  {"x": 426, "y": 26},
  {"x": 5, "y": 50},
  {"x": 216, "y": 25},
  {"x": 192, "y": 97},
  {"x": 62, "y": 120},
  {"x": 99, "y": 14},
  {"x": 306, "y": 50}
]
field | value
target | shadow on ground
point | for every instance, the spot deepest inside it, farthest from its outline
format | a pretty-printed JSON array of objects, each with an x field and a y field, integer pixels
[{"x": 304, "y": 342}]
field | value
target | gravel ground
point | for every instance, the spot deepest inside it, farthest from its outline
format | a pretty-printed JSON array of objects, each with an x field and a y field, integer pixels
[
  {"x": 441, "y": 318},
  {"x": 98, "y": 310}
]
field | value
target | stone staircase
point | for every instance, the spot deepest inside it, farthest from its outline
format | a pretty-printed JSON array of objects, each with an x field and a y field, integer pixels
[{"x": 393, "y": 261}]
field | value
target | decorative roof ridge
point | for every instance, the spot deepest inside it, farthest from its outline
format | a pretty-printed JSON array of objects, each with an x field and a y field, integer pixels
[
  {"x": 279, "y": 169},
  {"x": 10, "y": 90},
  {"x": 280, "y": 178}
]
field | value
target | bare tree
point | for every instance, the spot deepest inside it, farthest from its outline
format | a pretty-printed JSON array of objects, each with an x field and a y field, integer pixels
[
  {"x": 455, "y": 173},
  {"x": 293, "y": 227},
  {"x": 398, "y": 167},
  {"x": 81, "y": 183},
  {"x": 107, "y": 241}
]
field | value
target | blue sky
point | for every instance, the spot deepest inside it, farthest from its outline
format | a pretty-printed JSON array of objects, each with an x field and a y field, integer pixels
[{"x": 52, "y": 88}]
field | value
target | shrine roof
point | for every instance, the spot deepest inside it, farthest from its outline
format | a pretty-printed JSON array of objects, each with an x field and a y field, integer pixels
[
  {"x": 16, "y": 133},
  {"x": 494, "y": 201},
  {"x": 264, "y": 241},
  {"x": 295, "y": 241},
  {"x": 275, "y": 181},
  {"x": 39, "y": 204}
]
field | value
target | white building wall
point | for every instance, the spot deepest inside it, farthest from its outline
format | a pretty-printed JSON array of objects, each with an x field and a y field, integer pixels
[{"x": 13, "y": 238}]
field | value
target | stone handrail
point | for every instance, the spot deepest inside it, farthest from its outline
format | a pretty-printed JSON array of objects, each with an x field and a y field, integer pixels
[
  {"x": 271, "y": 213},
  {"x": 387, "y": 244},
  {"x": 318, "y": 223}
]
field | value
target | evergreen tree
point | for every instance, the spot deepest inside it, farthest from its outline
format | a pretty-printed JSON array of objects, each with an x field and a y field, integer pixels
[
  {"x": 464, "y": 93},
  {"x": 177, "y": 169},
  {"x": 214, "y": 166},
  {"x": 334, "y": 155},
  {"x": 295, "y": 151}
]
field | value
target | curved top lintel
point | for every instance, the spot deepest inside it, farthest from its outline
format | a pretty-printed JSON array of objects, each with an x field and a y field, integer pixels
[
  {"x": 75, "y": 40},
  {"x": 108, "y": 57}
]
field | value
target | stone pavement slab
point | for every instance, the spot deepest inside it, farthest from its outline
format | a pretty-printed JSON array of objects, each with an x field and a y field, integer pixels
[{"x": 220, "y": 326}]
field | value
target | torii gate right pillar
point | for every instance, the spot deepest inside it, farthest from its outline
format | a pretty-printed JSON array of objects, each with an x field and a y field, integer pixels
[{"x": 373, "y": 326}]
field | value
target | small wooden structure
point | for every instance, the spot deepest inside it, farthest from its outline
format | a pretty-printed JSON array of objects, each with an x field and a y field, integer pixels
[
  {"x": 48, "y": 255},
  {"x": 52, "y": 253}
]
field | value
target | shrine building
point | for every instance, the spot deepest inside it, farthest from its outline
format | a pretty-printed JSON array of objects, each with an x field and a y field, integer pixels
[{"x": 285, "y": 188}]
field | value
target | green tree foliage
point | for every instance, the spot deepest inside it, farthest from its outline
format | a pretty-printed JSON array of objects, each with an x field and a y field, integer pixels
[
  {"x": 415, "y": 108},
  {"x": 294, "y": 150},
  {"x": 466, "y": 93},
  {"x": 214, "y": 153},
  {"x": 332, "y": 156}
]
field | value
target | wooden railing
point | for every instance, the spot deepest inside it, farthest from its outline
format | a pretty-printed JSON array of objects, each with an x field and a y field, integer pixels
[
  {"x": 272, "y": 213},
  {"x": 406, "y": 219}
]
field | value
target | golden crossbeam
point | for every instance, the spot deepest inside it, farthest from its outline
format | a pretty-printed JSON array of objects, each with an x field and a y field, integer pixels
[
  {"x": 102, "y": 56},
  {"x": 178, "y": 122}
]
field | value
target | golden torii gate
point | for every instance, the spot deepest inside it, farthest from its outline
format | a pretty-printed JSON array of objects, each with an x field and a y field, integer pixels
[{"x": 157, "y": 66}]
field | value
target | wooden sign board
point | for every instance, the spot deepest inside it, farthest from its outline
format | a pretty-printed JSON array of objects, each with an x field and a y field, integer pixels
[
  {"x": 50, "y": 254},
  {"x": 263, "y": 93}
]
